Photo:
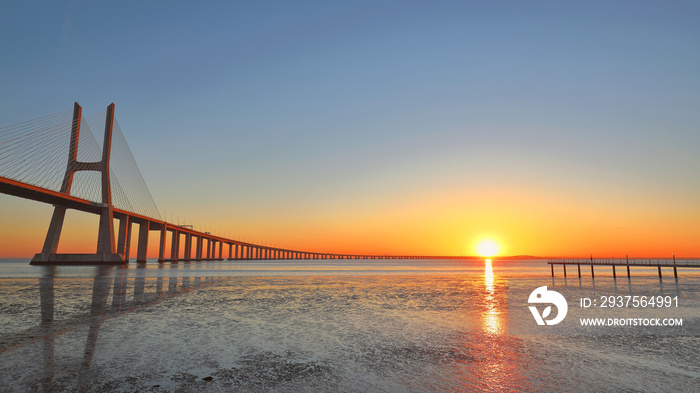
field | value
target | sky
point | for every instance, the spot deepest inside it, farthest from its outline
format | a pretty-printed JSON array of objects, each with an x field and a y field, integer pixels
[{"x": 385, "y": 127}]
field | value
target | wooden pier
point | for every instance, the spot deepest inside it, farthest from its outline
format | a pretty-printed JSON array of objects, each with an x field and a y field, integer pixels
[{"x": 658, "y": 263}]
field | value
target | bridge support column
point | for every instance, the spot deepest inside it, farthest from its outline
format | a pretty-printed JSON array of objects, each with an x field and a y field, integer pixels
[
  {"x": 105, "y": 236},
  {"x": 198, "y": 252},
  {"x": 175, "y": 246},
  {"x": 188, "y": 247},
  {"x": 124, "y": 237},
  {"x": 54, "y": 233},
  {"x": 161, "y": 243},
  {"x": 143, "y": 241}
]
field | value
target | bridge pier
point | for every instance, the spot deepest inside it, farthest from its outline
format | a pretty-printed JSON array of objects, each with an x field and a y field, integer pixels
[
  {"x": 198, "y": 251},
  {"x": 175, "y": 246},
  {"x": 106, "y": 245},
  {"x": 188, "y": 247},
  {"x": 124, "y": 238},
  {"x": 143, "y": 241},
  {"x": 161, "y": 243}
]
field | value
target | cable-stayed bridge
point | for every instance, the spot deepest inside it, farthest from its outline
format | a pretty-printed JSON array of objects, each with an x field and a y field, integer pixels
[{"x": 65, "y": 160}]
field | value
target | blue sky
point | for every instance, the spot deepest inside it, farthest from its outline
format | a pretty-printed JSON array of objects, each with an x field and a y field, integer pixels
[{"x": 283, "y": 107}]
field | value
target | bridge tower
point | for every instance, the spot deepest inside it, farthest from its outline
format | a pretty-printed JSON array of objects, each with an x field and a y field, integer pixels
[{"x": 106, "y": 247}]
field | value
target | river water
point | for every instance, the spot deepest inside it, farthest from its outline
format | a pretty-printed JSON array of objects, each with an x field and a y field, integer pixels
[{"x": 316, "y": 326}]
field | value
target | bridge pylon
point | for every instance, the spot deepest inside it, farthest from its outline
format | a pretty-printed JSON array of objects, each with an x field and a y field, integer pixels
[{"x": 106, "y": 248}]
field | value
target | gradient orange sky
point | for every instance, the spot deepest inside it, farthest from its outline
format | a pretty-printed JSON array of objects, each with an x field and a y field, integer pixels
[{"x": 392, "y": 128}]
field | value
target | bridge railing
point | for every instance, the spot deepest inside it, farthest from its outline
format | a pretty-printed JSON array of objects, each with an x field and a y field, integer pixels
[{"x": 638, "y": 262}]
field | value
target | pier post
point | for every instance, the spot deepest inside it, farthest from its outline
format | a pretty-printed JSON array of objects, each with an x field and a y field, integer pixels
[
  {"x": 659, "y": 266},
  {"x": 552, "y": 266},
  {"x": 675, "y": 272},
  {"x": 579, "y": 270},
  {"x": 592, "y": 272},
  {"x": 564, "y": 265},
  {"x": 614, "y": 275}
]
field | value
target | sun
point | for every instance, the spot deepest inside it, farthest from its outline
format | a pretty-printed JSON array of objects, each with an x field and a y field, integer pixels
[{"x": 487, "y": 248}]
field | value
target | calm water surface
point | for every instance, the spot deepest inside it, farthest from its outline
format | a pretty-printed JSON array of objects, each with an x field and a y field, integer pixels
[{"x": 348, "y": 326}]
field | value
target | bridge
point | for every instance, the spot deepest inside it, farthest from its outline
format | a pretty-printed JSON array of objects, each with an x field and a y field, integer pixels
[{"x": 58, "y": 159}]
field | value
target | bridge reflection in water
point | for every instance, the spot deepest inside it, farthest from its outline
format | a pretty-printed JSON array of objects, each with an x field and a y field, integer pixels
[{"x": 130, "y": 289}]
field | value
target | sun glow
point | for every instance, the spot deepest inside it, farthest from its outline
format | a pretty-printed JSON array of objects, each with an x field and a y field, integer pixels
[{"x": 487, "y": 248}]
